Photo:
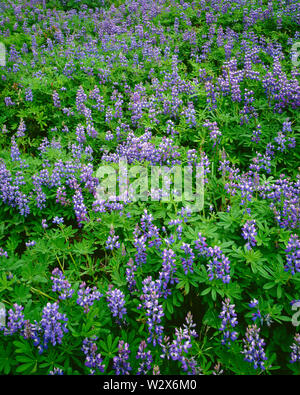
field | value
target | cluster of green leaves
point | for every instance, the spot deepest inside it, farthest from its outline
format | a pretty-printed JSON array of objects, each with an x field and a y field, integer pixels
[{"x": 80, "y": 252}]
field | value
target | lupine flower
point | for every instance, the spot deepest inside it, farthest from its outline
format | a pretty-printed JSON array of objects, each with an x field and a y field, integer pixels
[
  {"x": 248, "y": 111},
  {"x": 56, "y": 372},
  {"x": 249, "y": 232},
  {"x": 256, "y": 134},
  {"x": 253, "y": 303},
  {"x": 145, "y": 357},
  {"x": 116, "y": 303},
  {"x": 229, "y": 321},
  {"x": 283, "y": 141},
  {"x": 93, "y": 360},
  {"x": 190, "y": 115},
  {"x": 293, "y": 255},
  {"x": 189, "y": 325},
  {"x": 32, "y": 331},
  {"x": 109, "y": 136},
  {"x": 167, "y": 274},
  {"x": 15, "y": 152},
  {"x": 254, "y": 347},
  {"x": 3, "y": 253},
  {"x": 170, "y": 128},
  {"x": 4, "y": 129},
  {"x": 187, "y": 262},
  {"x": 30, "y": 243},
  {"x": 284, "y": 196},
  {"x": 8, "y": 101},
  {"x": 80, "y": 134},
  {"x": 260, "y": 162},
  {"x": 211, "y": 95},
  {"x": 175, "y": 221},
  {"x": 81, "y": 97},
  {"x": 121, "y": 365},
  {"x": 15, "y": 321},
  {"x": 57, "y": 220},
  {"x": 295, "y": 354},
  {"x": 130, "y": 275},
  {"x": 218, "y": 266},
  {"x": 201, "y": 245},
  {"x": 185, "y": 213},
  {"x": 179, "y": 348},
  {"x": 21, "y": 129},
  {"x": 56, "y": 99},
  {"x": 53, "y": 324},
  {"x": 217, "y": 369},
  {"x": 154, "y": 311},
  {"x": 151, "y": 232},
  {"x": 112, "y": 240},
  {"x": 215, "y": 133},
  {"x": 87, "y": 296},
  {"x": 204, "y": 166},
  {"x": 179, "y": 232},
  {"x": 61, "y": 196},
  {"x": 79, "y": 207},
  {"x": 28, "y": 95},
  {"x": 140, "y": 246},
  {"x": 61, "y": 285}
]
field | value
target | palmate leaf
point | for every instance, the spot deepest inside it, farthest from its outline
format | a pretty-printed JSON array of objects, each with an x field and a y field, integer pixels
[
  {"x": 7, "y": 360},
  {"x": 211, "y": 319},
  {"x": 110, "y": 347},
  {"x": 26, "y": 359},
  {"x": 21, "y": 294},
  {"x": 84, "y": 247}
]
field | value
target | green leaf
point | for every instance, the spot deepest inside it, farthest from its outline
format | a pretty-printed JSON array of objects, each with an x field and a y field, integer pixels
[
  {"x": 25, "y": 367},
  {"x": 205, "y": 291},
  {"x": 269, "y": 285}
]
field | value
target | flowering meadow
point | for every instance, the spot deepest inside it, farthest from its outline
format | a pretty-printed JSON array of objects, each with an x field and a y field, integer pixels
[{"x": 123, "y": 286}]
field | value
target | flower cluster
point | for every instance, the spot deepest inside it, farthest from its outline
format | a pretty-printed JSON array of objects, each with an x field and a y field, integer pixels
[
  {"x": 219, "y": 265},
  {"x": 3, "y": 252},
  {"x": 254, "y": 347},
  {"x": 61, "y": 285},
  {"x": 56, "y": 372},
  {"x": 53, "y": 325},
  {"x": 87, "y": 296},
  {"x": 167, "y": 274},
  {"x": 116, "y": 303},
  {"x": 249, "y": 232},
  {"x": 15, "y": 321},
  {"x": 253, "y": 303},
  {"x": 112, "y": 240},
  {"x": 79, "y": 207},
  {"x": 229, "y": 321},
  {"x": 93, "y": 360},
  {"x": 154, "y": 311},
  {"x": 178, "y": 349},
  {"x": 121, "y": 365},
  {"x": 145, "y": 357},
  {"x": 293, "y": 255},
  {"x": 188, "y": 260},
  {"x": 295, "y": 354},
  {"x": 130, "y": 275},
  {"x": 215, "y": 133}
]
